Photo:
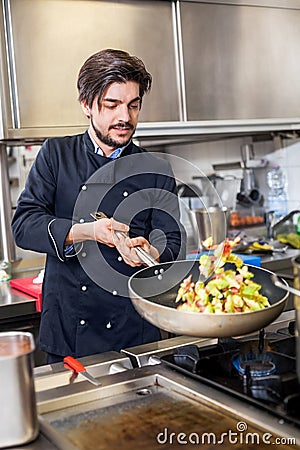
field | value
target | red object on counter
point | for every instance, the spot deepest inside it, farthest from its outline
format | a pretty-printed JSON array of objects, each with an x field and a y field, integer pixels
[
  {"x": 28, "y": 287},
  {"x": 74, "y": 364}
]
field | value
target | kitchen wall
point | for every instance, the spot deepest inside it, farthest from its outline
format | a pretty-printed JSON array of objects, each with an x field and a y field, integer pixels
[
  {"x": 200, "y": 158},
  {"x": 189, "y": 160},
  {"x": 288, "y": 157},
  {"x": 204, "y": 155},
  {"x": 21, "y": 158}
]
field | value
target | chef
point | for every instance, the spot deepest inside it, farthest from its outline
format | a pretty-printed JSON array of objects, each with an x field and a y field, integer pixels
[{"x": 86, "y": 309}]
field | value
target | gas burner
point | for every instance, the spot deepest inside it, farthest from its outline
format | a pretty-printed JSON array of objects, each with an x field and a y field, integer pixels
[
  {"x": 260, "y": 371},
  {"x": 258, "y": 365}
]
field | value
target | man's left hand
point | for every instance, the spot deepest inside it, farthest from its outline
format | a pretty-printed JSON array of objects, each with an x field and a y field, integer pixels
[{"x": 126, "y": 247}]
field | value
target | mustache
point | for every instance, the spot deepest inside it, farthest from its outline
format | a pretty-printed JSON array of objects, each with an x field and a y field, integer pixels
[{"x": 122, "y": 125}]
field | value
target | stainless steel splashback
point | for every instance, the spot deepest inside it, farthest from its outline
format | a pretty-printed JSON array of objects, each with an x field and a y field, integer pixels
[
  {"x": 47, "y": 41},
  {"x": 240, "y": 60},
  {"x": 219, "y": 67}
]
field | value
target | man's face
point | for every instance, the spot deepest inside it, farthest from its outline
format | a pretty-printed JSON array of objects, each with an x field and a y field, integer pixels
[{"x": 113, "y": 122}]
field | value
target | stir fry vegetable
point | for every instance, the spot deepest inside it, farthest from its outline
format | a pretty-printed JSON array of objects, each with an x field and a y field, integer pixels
[{"x": 227, "y": 291}]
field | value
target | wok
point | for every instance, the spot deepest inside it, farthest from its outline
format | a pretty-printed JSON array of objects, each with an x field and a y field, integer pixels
[{"x": 153, "y": 291}]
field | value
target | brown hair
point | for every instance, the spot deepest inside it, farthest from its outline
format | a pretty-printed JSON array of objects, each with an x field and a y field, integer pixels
[{"x": 110, "y": 66}]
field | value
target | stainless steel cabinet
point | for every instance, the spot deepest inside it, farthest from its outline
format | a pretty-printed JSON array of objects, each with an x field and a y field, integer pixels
[
  {"x": 50, "y": 39},
  {"x": 241, "y": 62},
  {"x": 212, "y": 61}
]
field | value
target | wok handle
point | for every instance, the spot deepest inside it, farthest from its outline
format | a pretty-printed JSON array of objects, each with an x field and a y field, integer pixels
[
  {"x": 278, "y": 283},
  {"x": 285, "y": 276}
]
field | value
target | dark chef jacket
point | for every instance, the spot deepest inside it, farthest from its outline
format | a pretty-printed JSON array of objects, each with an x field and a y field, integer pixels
[{"x": 86, "y": 309}]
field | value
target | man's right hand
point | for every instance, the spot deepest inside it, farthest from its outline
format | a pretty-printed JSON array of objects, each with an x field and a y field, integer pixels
[{"x": 101, "y": 230}]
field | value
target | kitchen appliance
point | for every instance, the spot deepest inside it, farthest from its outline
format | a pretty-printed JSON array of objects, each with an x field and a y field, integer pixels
[
  {"x": 260, "y": 369},
  {"x": 158, "y": 390},
  {"x": 212, "y": 363},
  {"x": 153, "y": 292},
  {"x": 249, "y": 194},
  {"x": 19, "y": 424}
]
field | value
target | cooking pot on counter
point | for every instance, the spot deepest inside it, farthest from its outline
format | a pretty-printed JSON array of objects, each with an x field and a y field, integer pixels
[
  {"x": 296, "y": 292},
  {"x": 212, "y": 221},
  {"x": 296, "y": 266},
  {"x": 19, "y": 423}
]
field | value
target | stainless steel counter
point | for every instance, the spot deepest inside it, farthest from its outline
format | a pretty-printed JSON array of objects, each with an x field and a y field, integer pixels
[
  {"x": 147, "y": 397},
  {"x": 18, "y": 313},
  {"x": 14, "y": 304},
  {"x": 131, "y": 408},
  {"x": 279, "y": 260},
  {"x": 128, "y": 393}
]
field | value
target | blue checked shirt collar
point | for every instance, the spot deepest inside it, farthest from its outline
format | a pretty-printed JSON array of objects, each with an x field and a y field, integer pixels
[{"x": 114, "y": 155}]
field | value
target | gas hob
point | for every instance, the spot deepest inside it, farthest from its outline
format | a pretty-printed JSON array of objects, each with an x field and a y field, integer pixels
[
  {"x": 263, "y": 375},
  {"x": 145, "y": 400}
]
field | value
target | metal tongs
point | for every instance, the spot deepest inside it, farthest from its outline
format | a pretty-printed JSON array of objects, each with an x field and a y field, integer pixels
[{"x": 145, "y": 257}]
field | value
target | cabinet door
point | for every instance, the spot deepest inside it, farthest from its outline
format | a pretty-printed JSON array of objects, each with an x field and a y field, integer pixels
[
  {"x": 52, "y": 39},
  {"x": 241, "y": 62}
]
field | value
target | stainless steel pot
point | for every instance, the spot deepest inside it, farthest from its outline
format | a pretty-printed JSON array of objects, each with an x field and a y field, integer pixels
[
  {"x": 296, "y": 292},
  {"x": 296, "y": 266},
  {"x": 19, "y": 424},
  {"x": 153, "y": 291},
  {"x": 212, "y": 221}
]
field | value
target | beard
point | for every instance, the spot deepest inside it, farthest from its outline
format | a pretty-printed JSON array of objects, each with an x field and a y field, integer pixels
[{"x": 108, "y": 140}]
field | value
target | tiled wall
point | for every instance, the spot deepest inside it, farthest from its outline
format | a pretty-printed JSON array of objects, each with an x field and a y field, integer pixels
[
  {"x": 288, "y": 158},
  {"x": 204, "y": 155}
]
